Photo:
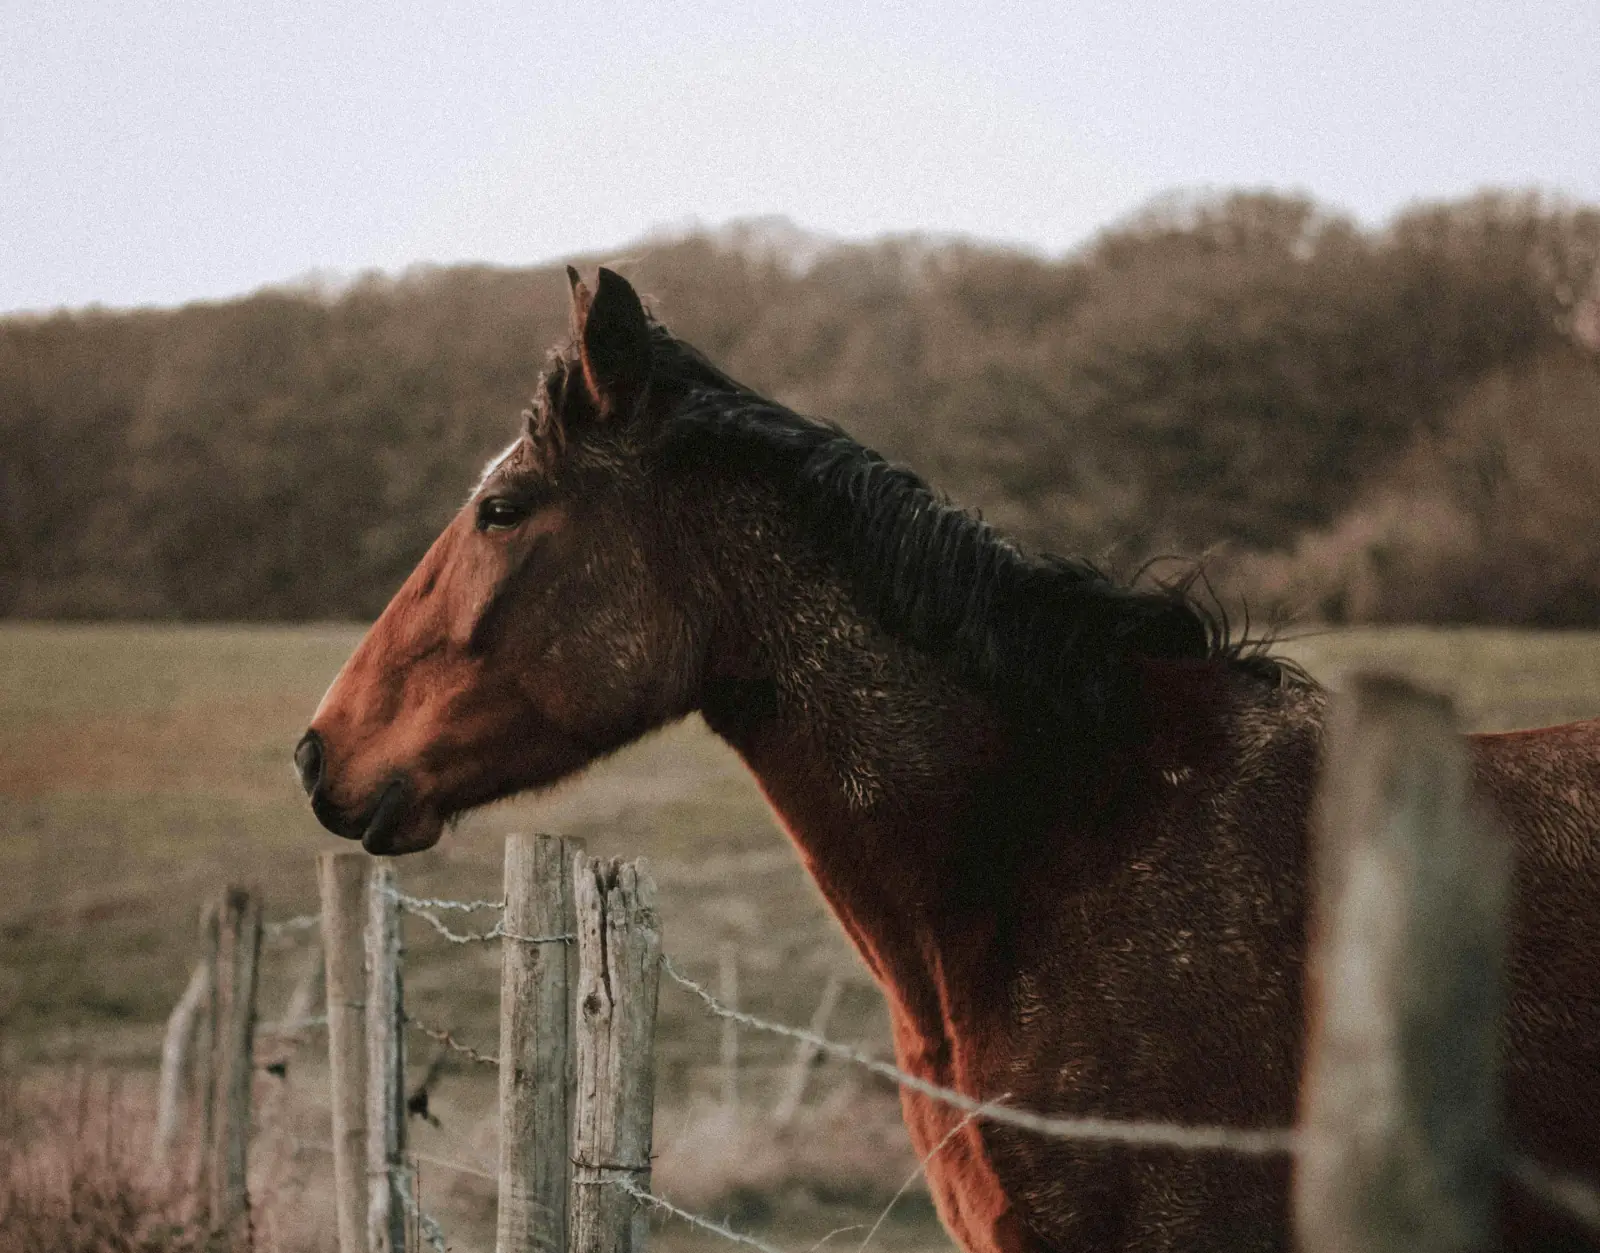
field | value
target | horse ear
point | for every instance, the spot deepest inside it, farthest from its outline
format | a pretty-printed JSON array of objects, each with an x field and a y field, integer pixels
[
  {"x": 580, "y": 302},
  {"x": 613, "y": 337}
]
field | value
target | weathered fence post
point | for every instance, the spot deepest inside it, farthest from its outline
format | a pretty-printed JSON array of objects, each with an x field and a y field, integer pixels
[
  {"x": 342, "y": 882},
  {"x": 202, "y": 1074},
  {"x": 536, "y": 982},
  {"x": 619, "y": 969},
  {"x": 1400, "y": 1104},
  {"x": 386, "y": 1069},
  {"x": 177, "y": 1058},
  {"x": 238, "y": 955}
]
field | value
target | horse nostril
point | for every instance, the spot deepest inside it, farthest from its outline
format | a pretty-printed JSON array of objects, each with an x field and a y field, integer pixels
[{"x": 308, "y": 761}]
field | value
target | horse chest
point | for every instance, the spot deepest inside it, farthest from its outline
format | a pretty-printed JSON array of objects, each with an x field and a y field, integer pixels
[
  {"x": 1123, "y": 1000},
  {"x": 1002, "y": 1190}
]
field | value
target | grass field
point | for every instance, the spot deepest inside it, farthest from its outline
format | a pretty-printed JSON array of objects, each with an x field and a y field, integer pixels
[{"x": 142, "y": 767}]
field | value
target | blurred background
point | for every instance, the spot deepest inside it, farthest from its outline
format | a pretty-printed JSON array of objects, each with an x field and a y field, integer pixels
[{"x": 1314, "y": 294}]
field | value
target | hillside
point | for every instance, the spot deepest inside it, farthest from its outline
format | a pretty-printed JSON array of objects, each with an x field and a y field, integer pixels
[{"x": 1357, "y": 425}]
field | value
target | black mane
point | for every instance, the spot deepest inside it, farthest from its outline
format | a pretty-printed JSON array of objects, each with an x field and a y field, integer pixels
[{"x": 1053, "y": 634}]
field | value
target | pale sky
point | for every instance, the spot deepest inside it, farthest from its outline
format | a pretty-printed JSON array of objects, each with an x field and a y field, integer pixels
[{"x": 158, "y": 151}]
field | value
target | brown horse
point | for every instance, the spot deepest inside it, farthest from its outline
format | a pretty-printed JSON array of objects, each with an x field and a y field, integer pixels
[{"x": 1063, "y": 821}]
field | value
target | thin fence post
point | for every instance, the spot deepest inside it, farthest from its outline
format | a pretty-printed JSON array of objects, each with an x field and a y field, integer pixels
[
  {"x": 342, "y": 883},
  {"x": 177, "y": 1058},
  {"x": 619, "y": 971},
  {"x": 386, "y": 1068},
  {"x": 1400, "y": 1107},
  {"x": 202, "y": 1074},
  {"x": 303, "y": 996},
  {"x": 805, "y": 1056},
  {"x": 536, "y": 982},
  {"x": 238, "y": 956}
]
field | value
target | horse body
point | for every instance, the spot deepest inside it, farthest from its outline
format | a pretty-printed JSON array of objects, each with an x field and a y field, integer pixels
[
  {"x": 1063, "y": 824},
  {"x": 1153, "y": 967},
  {"x": 1135, "y": 972},
  {"x": 1145, "y": 964}
]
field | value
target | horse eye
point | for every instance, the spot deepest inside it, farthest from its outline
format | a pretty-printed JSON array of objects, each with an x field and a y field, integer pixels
[{"x": 496, "y": 513}]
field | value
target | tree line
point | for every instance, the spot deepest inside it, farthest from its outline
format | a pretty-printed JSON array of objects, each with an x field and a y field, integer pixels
[{"x": 1349, "y": 424}]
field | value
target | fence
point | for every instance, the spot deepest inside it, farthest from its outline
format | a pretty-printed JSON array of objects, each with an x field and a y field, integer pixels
[{"x": 1398, "y": 1146}]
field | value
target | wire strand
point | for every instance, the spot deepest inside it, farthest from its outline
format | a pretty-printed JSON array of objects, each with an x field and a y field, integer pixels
[
  {"x": 1200, "y": 1139},
  {"x": 404, "y": 1178},
  {"x": 442, "y": 1036},
  {"x": 695, "y": 1220},
  {"x": 287, "y": 926},
  {"x": 436, "y": 902}
]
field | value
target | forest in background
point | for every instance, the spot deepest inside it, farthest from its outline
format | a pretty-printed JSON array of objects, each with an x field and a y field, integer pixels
[{"x": 1348, "y": 424}]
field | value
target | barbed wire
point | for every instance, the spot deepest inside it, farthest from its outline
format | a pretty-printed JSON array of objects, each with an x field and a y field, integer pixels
[
  {"x": 445, "y": 903},
  {"x": 705, "y": 1224},
  {"x": 1247, "y": 1142},
  {"x": 300, "y": 1144},
  {"x": 423, "y": 907},
  {"x": 496, "y": 932},
  {"x": 560, "y": 937},
  {"x": 404, "y": 1179},
  {"x": 442, "y": 1036},
  {"x": 1570, "y": 1195},
  {"x": 837, "y": 1231},
  {"x": 455, "y": 937},
  {"x": 450, "y": 1163},
  {"x": 288, "y": 926}
]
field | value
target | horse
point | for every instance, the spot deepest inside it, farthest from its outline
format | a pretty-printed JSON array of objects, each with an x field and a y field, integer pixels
[{"x": 1061, "y": 818}]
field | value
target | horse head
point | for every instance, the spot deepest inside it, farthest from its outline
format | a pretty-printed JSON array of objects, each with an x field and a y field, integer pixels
[{"x": 548, "y": 624}]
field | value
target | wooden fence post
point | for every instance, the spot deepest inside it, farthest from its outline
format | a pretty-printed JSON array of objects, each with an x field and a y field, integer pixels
[
  {"x": 177, "y": 1058},
  {"x": 1400, "y": 1107},
  {"x": 619, "y": 970},
  {"x": 342, "y": 882},
  {"x": 238, "y": 955},
  {"x": 536, "y": 982},
  {"x": 202, "y": 1078},
  {"x": 386, "y": 1067}
]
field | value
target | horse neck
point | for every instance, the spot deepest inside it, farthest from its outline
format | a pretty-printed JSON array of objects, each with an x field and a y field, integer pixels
[{"x": 875, "y": 757}]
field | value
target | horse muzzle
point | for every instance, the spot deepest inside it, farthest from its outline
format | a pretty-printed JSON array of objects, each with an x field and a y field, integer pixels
[{"x": 390, "y": 824}]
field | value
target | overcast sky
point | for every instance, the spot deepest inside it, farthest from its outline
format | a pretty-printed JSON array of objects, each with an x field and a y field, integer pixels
[{"x": 157, "y": 151}]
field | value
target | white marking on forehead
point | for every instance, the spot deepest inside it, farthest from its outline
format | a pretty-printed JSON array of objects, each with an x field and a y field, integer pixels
[{"x": 494, "y": 464}]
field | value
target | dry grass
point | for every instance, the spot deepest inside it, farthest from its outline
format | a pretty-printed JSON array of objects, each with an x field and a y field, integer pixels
[
  {"x": 847, "y": 1149},
  {"x": 141, "y": 768},
  {"x": 74, "y": 1175}
]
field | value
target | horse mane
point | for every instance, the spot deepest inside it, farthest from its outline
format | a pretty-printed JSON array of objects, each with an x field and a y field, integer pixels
[{"x": 1053, "y": 635}]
